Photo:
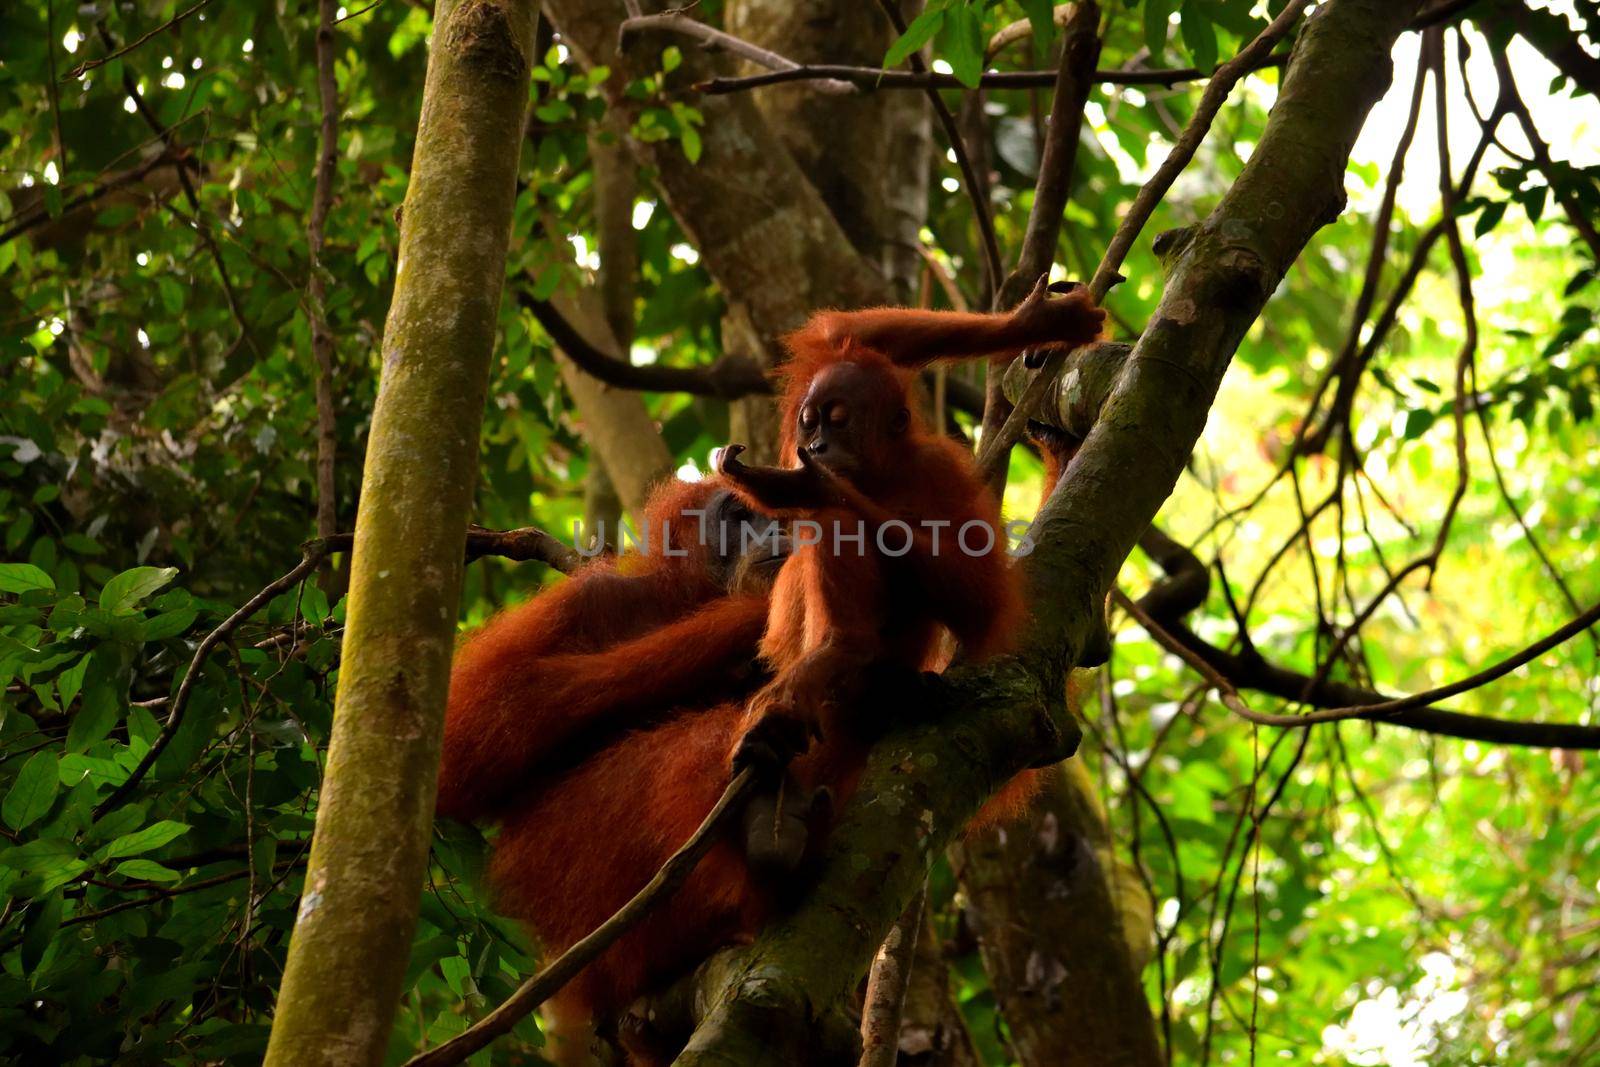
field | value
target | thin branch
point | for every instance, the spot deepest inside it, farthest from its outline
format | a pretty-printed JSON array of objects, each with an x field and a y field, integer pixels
[
  {"x": 522, "y": 545},
  {"x": 730, "y": 377},
  {"x": 1576, "y": 213},
  {"x": 536, "y": 990},
  {"x": 1376, "y": 260},
  {"x": 1216, "y": 94},
  {"x": 713, "y": 39},
  {"x": 316, "y": 288},
  {"x": 1225, "y": 691},
  {"x": 871, "y": 79},
  {"x": 202, "y": 227},
  {"x": 1383, "y": 711},
  {"x": 887, "y": 982},
  {"x": 1080, "y": 50},
  {"x": 310, "y": 557},
  {"x": 23, "y": 222},
  {"x": 90, "y": 64},
  {"x": 1021, "y": 29},
  {"x": 969, "y": 178},
  {"x": 1248, "y": 670},
  {"x": 1465, "y": 360},
  {"x": 1150, "y": 194}
]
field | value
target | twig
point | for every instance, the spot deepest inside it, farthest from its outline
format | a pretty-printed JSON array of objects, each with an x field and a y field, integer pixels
[
  {"x": 202, "y": 227},
  {"x": 358, "y": 12},
  {"x": 1465, "y": 360},
  {"x": 714, "y": 39},
  {"x": 1150, "y": 194},
  {"x": 1577, "y": 215},
  {"x": 969, "y": 178},
  {"x": 1225, "y": 691},
  {"x": 1022, "y": 28},
  {"x": 1370, "y": 281},
  {"x": 90, "y": 64},
  {"x": 870, "y": 79},
  {"x": 51, "y": 91},
  {"x": 310, "y": 557},
  {"x": 536, "y": 990}
]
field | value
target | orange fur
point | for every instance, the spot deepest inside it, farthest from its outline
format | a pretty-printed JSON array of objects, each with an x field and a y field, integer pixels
[
  {"x": 576, "y": 846},
  {"x": 618, "y": 641}
]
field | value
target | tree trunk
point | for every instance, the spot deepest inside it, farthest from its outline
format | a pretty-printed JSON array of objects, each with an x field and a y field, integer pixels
[
  {"x": 1062, "y": 974},
  {"x": 358, "y": 909}
]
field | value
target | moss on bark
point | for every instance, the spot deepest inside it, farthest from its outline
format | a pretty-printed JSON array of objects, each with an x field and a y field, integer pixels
[{"x": 358, "y": 910}]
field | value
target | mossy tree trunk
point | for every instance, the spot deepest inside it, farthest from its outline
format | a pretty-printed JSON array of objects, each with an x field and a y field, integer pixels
[{"x": 358, "y": 910}]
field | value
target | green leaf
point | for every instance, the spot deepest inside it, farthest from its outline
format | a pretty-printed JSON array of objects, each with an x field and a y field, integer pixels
[
  {"x": 148, "y": 870},
  {"x": 1157, "y": 14},
  {"x": 1580, "y": 279},
  {"x": 70, "y": 681},
  {"x": 44, "y": 854},
  {"x": 1533, "y": 202},
  {"x": 123, "y": 593},
  {"x": 1417, "y": 423},
  {"x": 1199, "y": 37},
  {"x": 1492, "y": 214},
  {"x": 919, "y": 33},
  {"x": 962, "y": 45},
  {"x": 169, "y": 624},
  {"x": 95, "y": 718},
  {"x": 39, "y": 929},
  {"x": 1041, "y": 16},
  {"x": 151, "y": 837},
  {"x": 23, "y": 578},
  {"x": 33, "y": 792}
]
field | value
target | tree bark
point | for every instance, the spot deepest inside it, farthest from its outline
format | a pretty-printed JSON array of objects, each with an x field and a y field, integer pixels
[
  {"x": 1062, "y": 974},
  {"x": 923, "y": 782},
  {"x": 744, "y": 197},
  {"x": 867, "y": 155},
  {"x": 358, "y": 909}
]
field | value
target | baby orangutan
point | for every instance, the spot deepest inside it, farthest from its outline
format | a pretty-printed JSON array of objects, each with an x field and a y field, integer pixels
[{"x": 907, "y": 539}]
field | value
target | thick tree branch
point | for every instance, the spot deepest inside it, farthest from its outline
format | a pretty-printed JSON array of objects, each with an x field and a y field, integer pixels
[
  {"x": 714, "y": 39},
  {"x": 729, "y": 377},
  {"x": 1554, "y": 38}
]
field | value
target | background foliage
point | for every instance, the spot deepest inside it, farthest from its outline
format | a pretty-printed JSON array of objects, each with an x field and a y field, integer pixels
[{"x": 1349, "y": 894}]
